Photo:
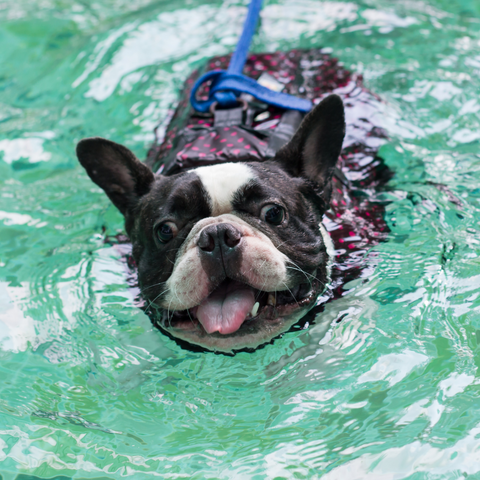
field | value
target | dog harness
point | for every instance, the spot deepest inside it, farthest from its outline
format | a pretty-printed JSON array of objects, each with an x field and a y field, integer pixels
[
  {"x": 253, "y": 130},
  {"x": 244, "y": 108}
]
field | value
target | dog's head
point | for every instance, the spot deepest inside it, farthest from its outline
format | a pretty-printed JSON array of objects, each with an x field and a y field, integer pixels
[{"x": 233, "y": 254}]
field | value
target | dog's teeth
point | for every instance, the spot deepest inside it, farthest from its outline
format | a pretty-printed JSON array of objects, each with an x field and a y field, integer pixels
[
  {"x": 255, "y": 309},
  {"x": 272, "y": 299}
]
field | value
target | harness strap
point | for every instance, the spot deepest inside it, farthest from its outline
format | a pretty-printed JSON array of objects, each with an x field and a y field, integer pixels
[
  {"x": 228, "y": 117},
  {"x": 239, "y": 57},
  {"x": 227, "y": 85},
  {"x": 284, "y": 131}
]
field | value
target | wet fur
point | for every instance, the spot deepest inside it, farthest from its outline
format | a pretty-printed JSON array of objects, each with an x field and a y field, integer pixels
[{"x": 298, "y": 178}]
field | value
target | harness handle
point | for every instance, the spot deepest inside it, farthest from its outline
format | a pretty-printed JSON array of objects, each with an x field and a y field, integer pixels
[{"x": 227, "y": 85}]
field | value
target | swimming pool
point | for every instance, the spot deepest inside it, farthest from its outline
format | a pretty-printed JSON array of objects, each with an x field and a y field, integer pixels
[{"x": 89, "y": 389}]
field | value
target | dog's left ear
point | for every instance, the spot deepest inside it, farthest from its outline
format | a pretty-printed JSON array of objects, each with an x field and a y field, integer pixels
[
  {"x": 314, "y": 149},
  {"x": 117, "y": 170}
]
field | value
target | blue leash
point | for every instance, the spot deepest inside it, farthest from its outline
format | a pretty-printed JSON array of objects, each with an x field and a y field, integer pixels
[{"x": 228, "y": 84}]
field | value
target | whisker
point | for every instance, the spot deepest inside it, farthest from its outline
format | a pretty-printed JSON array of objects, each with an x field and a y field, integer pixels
[
  {"x": 280, "y": 244},
  {"x": 151, "y": 286},
  {"x": 293, "y": 296},
  {"x": 322, "y": 283},
  {"x": 300, "y": 269},
  {"x": 264, "y": 283},
  {"x": 190, "y": 317},
  {"x": 151, "y": 302}
]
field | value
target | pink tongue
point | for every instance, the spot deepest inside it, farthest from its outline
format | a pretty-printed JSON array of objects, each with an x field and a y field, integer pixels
[{"x": 225, "y": 310}]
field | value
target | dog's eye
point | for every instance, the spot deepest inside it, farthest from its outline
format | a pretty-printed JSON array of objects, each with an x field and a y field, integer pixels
[
  {"x": 166, "y": 231},
  {"x": 273, "y": 214}
]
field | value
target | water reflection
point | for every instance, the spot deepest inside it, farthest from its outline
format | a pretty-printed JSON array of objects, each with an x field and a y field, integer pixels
[{"x": 383, "y": 384}]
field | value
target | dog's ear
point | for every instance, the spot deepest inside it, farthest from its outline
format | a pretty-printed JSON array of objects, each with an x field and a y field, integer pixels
[
  {"x": 115, "y": 169},
  {"x": 314, "y": 149}
]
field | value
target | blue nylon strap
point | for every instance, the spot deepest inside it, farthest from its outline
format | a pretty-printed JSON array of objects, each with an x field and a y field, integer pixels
[
  {"x": 239, "y": 57},
  {"x": 222, "y": 80},
  {"x": 227, "y": 85}
]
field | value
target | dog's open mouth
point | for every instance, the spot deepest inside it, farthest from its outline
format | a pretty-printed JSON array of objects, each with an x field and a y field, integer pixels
[{"x": 235, "y": 307}]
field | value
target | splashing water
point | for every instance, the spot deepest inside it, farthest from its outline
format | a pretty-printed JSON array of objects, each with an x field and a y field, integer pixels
[{"x": 384, "y": 383}]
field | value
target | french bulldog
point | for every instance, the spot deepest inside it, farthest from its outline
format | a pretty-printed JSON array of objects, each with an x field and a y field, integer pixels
[{"x": 233, "y": 254}]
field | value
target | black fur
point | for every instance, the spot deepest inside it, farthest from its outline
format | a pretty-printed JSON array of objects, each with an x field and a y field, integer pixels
[{"x": 298, "y": 178}]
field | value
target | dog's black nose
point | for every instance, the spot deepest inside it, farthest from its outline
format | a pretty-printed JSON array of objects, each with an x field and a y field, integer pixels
[{"x": 222, "y": 236}]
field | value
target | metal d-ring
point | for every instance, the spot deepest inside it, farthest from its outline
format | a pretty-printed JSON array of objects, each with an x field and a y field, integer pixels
[{"x": 241, "y": 101}]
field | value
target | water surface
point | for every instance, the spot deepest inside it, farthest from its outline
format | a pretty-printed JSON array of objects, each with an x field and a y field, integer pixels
[{"x": 90, "y": 390}]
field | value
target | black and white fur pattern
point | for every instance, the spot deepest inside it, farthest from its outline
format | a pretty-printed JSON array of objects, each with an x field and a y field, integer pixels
[{"x": 206, "y": 240}]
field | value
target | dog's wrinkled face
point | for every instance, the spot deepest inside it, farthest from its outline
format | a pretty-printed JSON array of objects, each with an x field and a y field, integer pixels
[
  {"x": 234, "y": 248},
  {"x": 230, "y": 255}
]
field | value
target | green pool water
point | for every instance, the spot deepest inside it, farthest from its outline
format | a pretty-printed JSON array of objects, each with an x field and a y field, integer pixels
[{"x": 89, "y": 390}]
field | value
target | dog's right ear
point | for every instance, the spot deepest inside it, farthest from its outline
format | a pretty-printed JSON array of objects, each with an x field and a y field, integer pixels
[
  {"x": 314, "y": 149},
  {"x": 115, "y": 169}
]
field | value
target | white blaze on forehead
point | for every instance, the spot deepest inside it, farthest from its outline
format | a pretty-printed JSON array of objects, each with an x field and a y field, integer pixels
[{"x": 222, "y": 181}]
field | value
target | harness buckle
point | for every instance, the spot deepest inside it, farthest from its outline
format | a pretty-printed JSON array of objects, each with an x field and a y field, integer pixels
[{"x": 228, "y": 117}]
